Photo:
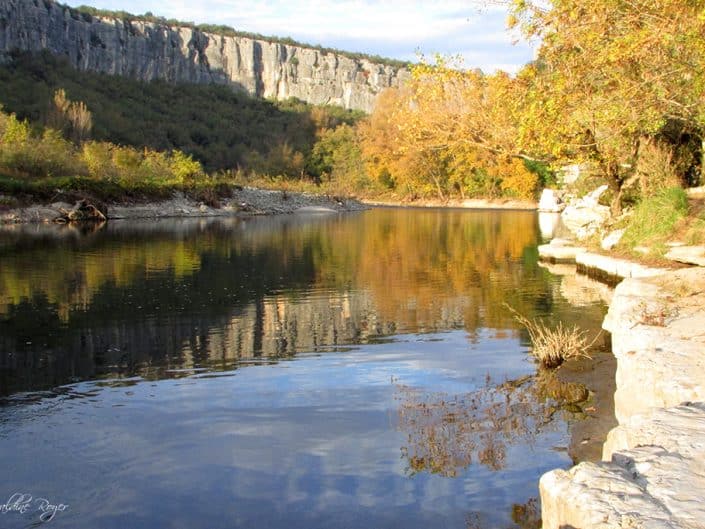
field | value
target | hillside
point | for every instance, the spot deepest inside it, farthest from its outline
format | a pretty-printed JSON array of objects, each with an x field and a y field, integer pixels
[{"x": 220, "y": 128}]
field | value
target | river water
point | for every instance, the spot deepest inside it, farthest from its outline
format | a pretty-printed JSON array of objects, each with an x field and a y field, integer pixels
[{"x": 356, "y": 371}]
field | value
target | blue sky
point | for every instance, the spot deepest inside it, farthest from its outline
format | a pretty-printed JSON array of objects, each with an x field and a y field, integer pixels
[{"x": 395, "y": 29}]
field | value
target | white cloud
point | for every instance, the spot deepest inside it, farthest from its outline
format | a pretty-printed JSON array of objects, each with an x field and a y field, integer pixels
[{"x": 395, "y": 29}]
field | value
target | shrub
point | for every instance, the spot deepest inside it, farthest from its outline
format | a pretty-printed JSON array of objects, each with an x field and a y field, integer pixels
[
  {"x": 553, "y": 346},
  {"x": 654, "y": 219},
  {"x": 656, "y": 169},
  {"x": 517, "y": 180},
  {"x": 98, "y": 159},
  {"x": 184, "y": 168}
]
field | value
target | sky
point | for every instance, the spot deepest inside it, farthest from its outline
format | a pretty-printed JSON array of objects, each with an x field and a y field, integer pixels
[{"x": 397, "y": 29}]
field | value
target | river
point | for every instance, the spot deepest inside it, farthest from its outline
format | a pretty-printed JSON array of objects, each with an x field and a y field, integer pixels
[{"x": 359, "y": 370}]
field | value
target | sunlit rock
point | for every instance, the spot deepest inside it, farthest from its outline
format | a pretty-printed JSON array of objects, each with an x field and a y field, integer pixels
[
  {"x": 612, "y": 267},
  {"x": 550, "y": 202},
  {"x": 612, "y": 239},
  {"x": 687, "y": 254},
  {"x": 585, "y": 216},
  {"x": 657, "y": 330},
  {"x": 655, "y": 475},
  {"x": 647, "y": 487},
  {"x": 548, "y": 223},
  {"x": 149, "y": 50}
]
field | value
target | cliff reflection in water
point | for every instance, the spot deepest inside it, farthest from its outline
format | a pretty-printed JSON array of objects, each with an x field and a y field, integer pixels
[{"x": 151, "y": 298}]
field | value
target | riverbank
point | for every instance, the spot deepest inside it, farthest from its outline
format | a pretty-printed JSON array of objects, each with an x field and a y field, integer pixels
[
  {"x": 244, "y": 201},
  {"x": 469, "y": 203},
  {"x": 652, "y": 473}
]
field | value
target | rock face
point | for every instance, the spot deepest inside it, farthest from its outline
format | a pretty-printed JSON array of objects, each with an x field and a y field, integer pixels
[
  {"x": 653, "y": 475},
  {"x": 584, "y": 216},
  {"x": 148, "y": 51}
]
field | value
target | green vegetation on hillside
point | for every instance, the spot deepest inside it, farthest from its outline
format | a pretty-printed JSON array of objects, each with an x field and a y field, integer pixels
[{"x": 222, "y": 129}]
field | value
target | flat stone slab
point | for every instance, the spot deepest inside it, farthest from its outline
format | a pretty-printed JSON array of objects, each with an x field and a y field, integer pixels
[
  {"x": 687, "y": 254},
  {"x": 559, "y": 251},
  {"x": 680, "y": 430},
  {"x": 658, "y": 338},
  {"x": 315, "y": 210},
  {"x": 613, "y": 267}
]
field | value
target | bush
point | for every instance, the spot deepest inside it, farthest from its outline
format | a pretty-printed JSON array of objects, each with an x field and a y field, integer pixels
[
  {"x": 517, "y": 180},
  {"x": 657, "y": 169},
  {"x": 654, "y": 219},
  {"x": 553, "y": 346}
]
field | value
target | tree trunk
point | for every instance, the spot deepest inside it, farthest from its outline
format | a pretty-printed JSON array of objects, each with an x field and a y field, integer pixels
[
  {"x": 616, "y": 203},
  {"x": 702, "y": 163},
  {"x": 615, "y": 181}
]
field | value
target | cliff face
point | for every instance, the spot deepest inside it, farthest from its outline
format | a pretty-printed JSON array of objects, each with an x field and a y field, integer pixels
[{"x": 150, "y": 51}]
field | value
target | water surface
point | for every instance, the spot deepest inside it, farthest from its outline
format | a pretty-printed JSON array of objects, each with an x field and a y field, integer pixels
[{"x": 356, "y": 370}]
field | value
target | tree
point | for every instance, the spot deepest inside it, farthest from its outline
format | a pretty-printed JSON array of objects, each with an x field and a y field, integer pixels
[
  {"x": 610, "y": 75},
  {"x": 450, "y": 131},
  {"x": 71, "y": 118}
]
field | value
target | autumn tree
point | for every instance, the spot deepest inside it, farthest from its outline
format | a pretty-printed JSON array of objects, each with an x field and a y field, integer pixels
[
  {"x": 450, "y": 131},
  {"x": 611, "y": 74},
  {"x": 70, "y": 117}
]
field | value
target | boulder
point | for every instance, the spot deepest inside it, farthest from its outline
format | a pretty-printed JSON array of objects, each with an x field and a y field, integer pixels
[
  {"x": 549, "y": 224},
  {"x": 612, "y": 239},
  {"x": 585, "y": 216},
  {"x": 550, "y": 202},
  {"x": 653, "y": 476}
]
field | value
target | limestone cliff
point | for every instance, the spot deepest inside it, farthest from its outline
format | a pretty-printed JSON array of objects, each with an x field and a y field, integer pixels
[{"x": 150, "y": 51}]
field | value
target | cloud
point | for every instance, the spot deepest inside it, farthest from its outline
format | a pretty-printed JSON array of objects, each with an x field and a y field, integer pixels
[{"x": 395, "y": 29}]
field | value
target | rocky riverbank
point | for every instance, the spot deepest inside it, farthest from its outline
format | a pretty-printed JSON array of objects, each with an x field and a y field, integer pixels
[
  {"x": 243, "y": 202},
  {"x": 652, "y": 474}
]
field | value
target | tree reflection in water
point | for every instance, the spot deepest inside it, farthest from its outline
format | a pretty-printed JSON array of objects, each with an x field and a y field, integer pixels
[
  {"x": 524, "y": 515},
  {"x": 448, "y": 433}
]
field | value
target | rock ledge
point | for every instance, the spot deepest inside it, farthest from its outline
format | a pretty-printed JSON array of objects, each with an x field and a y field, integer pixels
[{"x": 653, "y": 476}]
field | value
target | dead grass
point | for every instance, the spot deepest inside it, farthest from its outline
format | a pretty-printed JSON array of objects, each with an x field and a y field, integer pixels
[{"x": 553, "y": 346}]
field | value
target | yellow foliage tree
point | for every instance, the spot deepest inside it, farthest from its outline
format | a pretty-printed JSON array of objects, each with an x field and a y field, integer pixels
[{"x": 449, "y": 132}]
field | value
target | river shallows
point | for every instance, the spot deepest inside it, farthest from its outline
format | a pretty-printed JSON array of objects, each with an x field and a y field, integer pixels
[{"x": 355, "y": 370}]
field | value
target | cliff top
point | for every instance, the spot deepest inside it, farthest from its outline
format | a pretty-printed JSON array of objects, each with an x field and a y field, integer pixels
[{"x": 88, "y": 12}]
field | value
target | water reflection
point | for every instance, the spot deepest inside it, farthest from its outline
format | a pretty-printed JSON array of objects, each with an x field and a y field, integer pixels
[
  {"x": 297, "y": 372},
  {"x": 446, "y": 433},
  {"x": 304, "y": 443},
  {"x": 151, "y": 297}
]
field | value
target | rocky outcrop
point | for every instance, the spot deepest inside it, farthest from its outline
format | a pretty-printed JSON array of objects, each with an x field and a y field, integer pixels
[
  {"x": 550, "y": 201},
  {"x": 585, "y": 216},
  {"x": 653, "y": 475},
  {"x": 687, "y": 254},
  {"x": 149, "y": 51},
  {"x": 603, "y": 267}
]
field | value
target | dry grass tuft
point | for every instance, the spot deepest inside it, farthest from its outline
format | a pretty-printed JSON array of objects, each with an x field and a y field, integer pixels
[{"x": 553, "y": 346}]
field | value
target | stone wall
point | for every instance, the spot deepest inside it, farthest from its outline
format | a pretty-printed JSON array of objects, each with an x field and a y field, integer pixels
[{"x": 150, "y": 51}]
